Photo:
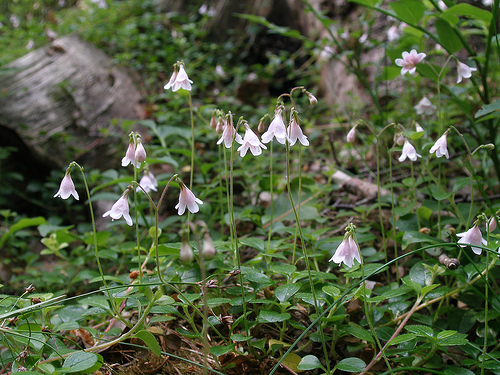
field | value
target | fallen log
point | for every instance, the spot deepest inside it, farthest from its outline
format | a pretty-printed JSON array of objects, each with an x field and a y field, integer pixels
[{"x": 61, "y": 99}]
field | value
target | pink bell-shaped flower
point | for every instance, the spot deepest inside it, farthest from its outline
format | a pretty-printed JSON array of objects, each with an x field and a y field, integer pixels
[
  {"x": 294, "y": 132},
  {"x": 464, "y": 71},
  {"x": 440, "y": 147},
  {"x": 228, "y": 134},
  {"x": 409, "y": 152},
  {"x": 472, "y": 237},
  {"x": 181, "y": 80},
  {"x": 67, "y": 187},
  {"x": 187, "y": 199},
  {"x": 120, "y": 208},
  {"x": 347, "y": 252},
  {"x": 276, "y": 129},
  {"x": 251, "y": 142}
]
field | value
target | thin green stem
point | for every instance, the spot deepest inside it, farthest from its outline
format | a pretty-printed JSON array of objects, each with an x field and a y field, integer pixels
[
  {"x": 271, "y": 183},
  {"x": 192, "y": 142}
]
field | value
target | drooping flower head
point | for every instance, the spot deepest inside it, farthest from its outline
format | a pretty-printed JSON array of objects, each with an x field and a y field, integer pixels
[
  {"x": 409, "y": 152},
  {"x": 440, "y": 147},
  {"x": 294, "y": 132},
  {"x": 351, "y": 136},
  {"x": 67, "y": 187},
  {"x": 250, "y": 142},
  {"x": 348, "y": 249},
  {"x": 179, "y": 79},
  {"x": 120, "y": 208},
  {"x": 129, "y": 157},
  {"x": 425, "y": 107},
  {"x": 140, "y": 152},
  {"x": 472, "y": 237},
  {"x": 464, "y": 71},
  {"x": 229, "y": 134},
  {"x": 148, "y": 182},
  {"x": 409, "y": 61},
  {"x": 277, "y": 128},
  {"x": 187, "y": 199}
]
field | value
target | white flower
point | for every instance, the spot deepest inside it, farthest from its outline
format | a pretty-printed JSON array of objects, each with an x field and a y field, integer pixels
[
  {"x": 276, "y": 129},
  {"x": 464, "y": 71},
  {"x": 392, "y": 33},
  {"x": 182, "y": 80},
  {"x": 228, "y": 134},
  {"x": 294, "y": 132},
  {"x": 187, "y": 199},
  {"x": 171, "y": 80},
  {"x": 409, "y": 152},
  {"x": 148, "y": 182},
  {"x": 347, "y": 252},
  {"x": 440, "y": 147},
  {"x": 251, "y": 141},
  {"x": 67, "y": 188},
  {"x": 119, "y": 209},
  {"x": 140, "y": 153},
  {"x": 425, "y": 107},
  {"x": 409, "y": 61},
  {"x": 419, "y": 129},
  {"x": 129, "y": 157},
  {"x": 351, "y": 136},
  {"x": 472, "y": 237}
]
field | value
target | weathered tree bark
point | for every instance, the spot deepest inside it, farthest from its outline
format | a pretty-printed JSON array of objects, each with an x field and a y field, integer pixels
[{"x": 61, "y": 100}]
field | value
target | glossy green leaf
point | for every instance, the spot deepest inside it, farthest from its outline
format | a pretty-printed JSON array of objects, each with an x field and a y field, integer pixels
[
  {"x": 352, "y": 364},
  {"x": 82, "y": 362},
  {"x": 409, "y": 11},
  {"x": 150, "y": 341},
  {"x": 267, "y": 316},
  {"x": 309, "y": 362},
  {"x": 284, "y": 292},
  {"x": 447, "y": 36}
]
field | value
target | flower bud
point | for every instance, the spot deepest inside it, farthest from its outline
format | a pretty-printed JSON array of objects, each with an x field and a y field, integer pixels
[
  {"x": 312, "y": 98},
  {"x": 351, "y": 136},
  {"x": 208, "y": 251},
  {"x": 186, "y": 254},
  {"x": 261, "y": 126},
  {"x": 140, "y": 153},
  {"x": 219, "y": 128},
  {"x": 399, "y": 139},
  {"x": 213, "y": 121}
]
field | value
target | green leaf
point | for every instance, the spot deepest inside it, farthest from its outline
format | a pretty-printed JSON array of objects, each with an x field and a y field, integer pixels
[
  {"x": 428, "y": 288},
  {"x": 352, "y": 364},
  {"x": 467, "y": 10},
  {"x": 360, "y": 333},
  {"x": 309, "y": 362},
  {"x": 409, "y": 11},
  {"x": 412, "y": 284},
  {"x": 450, "y": 337},
  {"x": 420, "y": 274},
  {"x": 221, "y": 350},
  {"x": 82, "y": 362},
  {"x": 455, "y": 370},
  {"x": 150, "y": 341},
  {"x": 402, "y": 338},
  {"x": 267, "y": 316},
  {"x": 420, "y": 330},
  {"x": 489, "y": 108},
  {"x": 284, "y": 292},
  {"x": 411, "y": 237},
  {"x": 447, "y": 36},
  {"x": 21, "y": 224},
  {"x": 215, "y": 302},
  {"x": 368, "y": 3},
  {"x": 331, "y": 290}
]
